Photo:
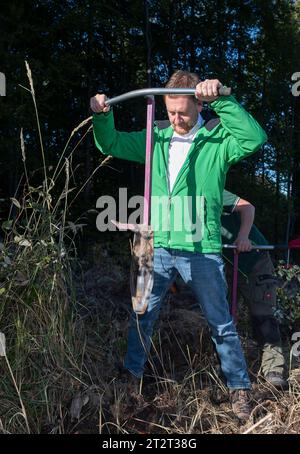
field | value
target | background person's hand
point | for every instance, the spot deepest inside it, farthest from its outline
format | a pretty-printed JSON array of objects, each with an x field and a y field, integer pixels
[
  {"x": 243, "y": 244},
  {"x": 97, "y": 103},
  {"x": 208, "y": 90}
]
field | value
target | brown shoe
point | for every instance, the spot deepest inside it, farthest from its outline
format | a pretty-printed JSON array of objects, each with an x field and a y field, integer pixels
[
  {"x": 240, "y": 402},
  {"x": 276, "y": 379}
]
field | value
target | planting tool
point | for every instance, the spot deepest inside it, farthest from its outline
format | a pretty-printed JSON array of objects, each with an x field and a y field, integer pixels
[
  {"x": 142, "y": 275},
  {"x": 265, "y": 247}
]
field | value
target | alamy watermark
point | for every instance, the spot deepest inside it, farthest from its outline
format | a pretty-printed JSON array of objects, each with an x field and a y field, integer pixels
[
  {"x": 179, "y": 213},
  {"x": 2, "y": 345},
  {"x": 296, "y": 86},
  {"x": 295, "y": 350},
  {"x": 2, "y": 85}
]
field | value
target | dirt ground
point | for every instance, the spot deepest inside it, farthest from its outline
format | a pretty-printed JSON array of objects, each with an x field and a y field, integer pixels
[{"x": 182, "y": 391}]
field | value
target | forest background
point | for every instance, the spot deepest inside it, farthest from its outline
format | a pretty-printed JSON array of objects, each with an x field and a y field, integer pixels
[{"x": 64, "y": 287}]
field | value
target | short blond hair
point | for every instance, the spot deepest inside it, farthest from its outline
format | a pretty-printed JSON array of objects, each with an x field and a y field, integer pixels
[{"x": 182, "y": 79}]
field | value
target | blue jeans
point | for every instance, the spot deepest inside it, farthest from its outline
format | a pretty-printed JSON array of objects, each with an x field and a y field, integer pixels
[{"x": 205, "y": 274}]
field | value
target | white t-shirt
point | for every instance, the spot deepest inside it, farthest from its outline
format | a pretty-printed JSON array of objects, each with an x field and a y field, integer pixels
[{"x": 178, "y": 151}]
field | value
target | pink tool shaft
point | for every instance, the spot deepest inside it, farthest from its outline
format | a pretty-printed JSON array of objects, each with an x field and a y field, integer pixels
[
  {"x": 234, "y": 286},
  {"x": 148, "y": 163}
]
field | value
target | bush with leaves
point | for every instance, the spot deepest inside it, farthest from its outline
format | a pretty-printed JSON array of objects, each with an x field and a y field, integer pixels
[{"x": 288, "y": 296}]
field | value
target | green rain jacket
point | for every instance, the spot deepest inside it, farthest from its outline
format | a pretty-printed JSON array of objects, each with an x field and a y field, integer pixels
[{"x": 188, "y": 218}]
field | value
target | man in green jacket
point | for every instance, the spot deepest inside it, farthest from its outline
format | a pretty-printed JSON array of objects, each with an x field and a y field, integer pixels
[
  {"x": 190, "y": 161},
  {"x": 256, "y": 282}
]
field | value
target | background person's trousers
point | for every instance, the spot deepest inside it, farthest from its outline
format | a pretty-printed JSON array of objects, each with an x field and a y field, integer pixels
[
  {"x": 259, "y": 293},
  {"x": 205, "y": 274}
]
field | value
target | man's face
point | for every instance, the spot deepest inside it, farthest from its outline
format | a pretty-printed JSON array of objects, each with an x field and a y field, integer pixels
[{"x": 182, "y": 112}]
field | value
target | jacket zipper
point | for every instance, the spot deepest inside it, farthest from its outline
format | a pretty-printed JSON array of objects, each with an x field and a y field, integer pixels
[
  {"x": 169, "y": 219},
  {"x": 169, "y": 207}
]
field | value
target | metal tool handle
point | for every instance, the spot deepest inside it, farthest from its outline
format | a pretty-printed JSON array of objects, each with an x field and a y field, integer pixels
[
  {"x": 148, "y": 156},
  {"x": 255, "y": 246},
  {"x": 223, "y": 91}
]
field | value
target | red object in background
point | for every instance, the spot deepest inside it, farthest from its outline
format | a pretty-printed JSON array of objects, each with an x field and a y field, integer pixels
[{"x": 294, "y": 244}]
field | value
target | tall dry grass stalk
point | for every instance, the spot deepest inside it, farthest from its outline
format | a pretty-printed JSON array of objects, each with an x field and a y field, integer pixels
[{"x": 45, "y": 339}]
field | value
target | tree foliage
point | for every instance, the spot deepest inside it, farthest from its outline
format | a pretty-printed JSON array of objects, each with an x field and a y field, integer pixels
[{"x": 77, "y": 48}]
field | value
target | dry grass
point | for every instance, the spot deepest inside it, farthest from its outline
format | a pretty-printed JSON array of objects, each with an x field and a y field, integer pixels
[
  {"x": 181, "y": 391},
  {"x": 45, "y": 339}
]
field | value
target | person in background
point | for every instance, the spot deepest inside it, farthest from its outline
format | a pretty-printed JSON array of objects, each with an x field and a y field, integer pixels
[{"x": 256, "y": 282}]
